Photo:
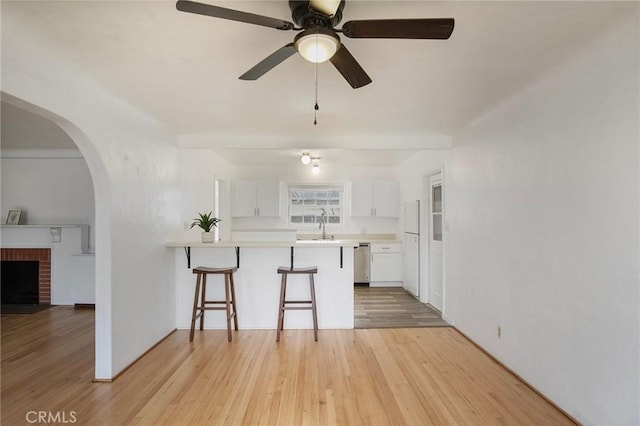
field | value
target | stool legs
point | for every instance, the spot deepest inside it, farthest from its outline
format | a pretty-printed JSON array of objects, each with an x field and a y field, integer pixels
[
  {"x": 203, "y": 296},
  {"x": 313, "y": 307},
  {"x": 195, "y": 313},
  {"x": 283, "y": 305},
  {"x": 283, "y": 292},
  {"x": 200, "y": 296},
  {"x": 227, "y": 305},
  {"x": 233, "y": 302}
]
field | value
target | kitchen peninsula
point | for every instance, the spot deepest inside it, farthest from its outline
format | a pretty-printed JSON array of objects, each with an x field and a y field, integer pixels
[{"x": 257, "y": 283}]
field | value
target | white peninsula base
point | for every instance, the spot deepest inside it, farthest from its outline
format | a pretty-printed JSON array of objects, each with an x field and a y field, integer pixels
[{"x": 257, "y": 283}]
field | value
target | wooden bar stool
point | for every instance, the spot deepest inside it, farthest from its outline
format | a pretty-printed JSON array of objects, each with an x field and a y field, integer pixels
[
  {"x": 229, "y": 302},
  {"x": 285, "y": 271}
]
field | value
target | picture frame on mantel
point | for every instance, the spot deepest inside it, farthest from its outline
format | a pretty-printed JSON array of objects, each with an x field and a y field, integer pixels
[{"x": 13, "y": 218}]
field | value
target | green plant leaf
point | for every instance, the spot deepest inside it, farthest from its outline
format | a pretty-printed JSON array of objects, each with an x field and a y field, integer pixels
[{"x": 206, "y": 221}]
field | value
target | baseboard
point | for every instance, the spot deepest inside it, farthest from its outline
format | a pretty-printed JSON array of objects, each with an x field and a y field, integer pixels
[
  {"x": 135, "y": 360},
  {"x": 84, "y": 306},
  {"x": 540, "y": 394},
  {"x": 385, "y": 284}
]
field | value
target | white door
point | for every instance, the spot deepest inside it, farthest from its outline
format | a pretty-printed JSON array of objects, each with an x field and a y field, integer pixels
[
  {"x": 221, "y": 210},
  {"x": 435, "y": 218}
]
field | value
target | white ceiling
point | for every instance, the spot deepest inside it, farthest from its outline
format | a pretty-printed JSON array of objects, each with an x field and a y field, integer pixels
[
  {"x": 20, "y": 129},
  {"x": 183, "y": 69}
]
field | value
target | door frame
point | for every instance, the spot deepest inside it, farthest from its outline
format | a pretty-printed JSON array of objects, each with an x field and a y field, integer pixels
[{"x": 425, "y": 230}]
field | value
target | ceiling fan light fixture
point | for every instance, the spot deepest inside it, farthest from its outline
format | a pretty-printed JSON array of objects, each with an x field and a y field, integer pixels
[
  {"x": 317, "y": 45},
  {"x": 306, "y": 158}
]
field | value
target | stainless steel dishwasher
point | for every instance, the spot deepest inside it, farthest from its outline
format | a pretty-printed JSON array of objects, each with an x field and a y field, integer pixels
[{"x": 361, "y": 264}]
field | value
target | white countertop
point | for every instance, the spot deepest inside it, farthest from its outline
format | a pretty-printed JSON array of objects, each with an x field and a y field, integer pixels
[
  {"x": 265, "y": 244},
  {"x": 40, "y": 226}
]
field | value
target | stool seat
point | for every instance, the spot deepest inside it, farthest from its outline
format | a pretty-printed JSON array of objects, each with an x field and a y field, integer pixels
[
  {"x": 207, "y": 270},
  {"x": 200, "y": 296},
  {"x": 288, "y": 270},
  {"x": 284, "y": 303}
]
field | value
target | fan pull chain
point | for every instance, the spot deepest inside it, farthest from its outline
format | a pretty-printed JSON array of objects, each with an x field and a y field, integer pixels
[{"x": 316, "y": 107}]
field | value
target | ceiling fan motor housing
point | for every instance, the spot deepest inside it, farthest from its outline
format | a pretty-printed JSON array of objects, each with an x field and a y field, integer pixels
[{"x": 304, "y": 16}]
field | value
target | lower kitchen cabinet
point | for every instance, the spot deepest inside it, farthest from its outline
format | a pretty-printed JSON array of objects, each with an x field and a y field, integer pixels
[{"x": 386, "y": 265}]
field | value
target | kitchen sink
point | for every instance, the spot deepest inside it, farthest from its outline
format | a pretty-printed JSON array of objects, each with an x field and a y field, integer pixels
[{"x": 318, "y": 241}]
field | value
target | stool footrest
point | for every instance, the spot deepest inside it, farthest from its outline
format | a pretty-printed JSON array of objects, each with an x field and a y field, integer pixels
[
  {"x": 288, "y": 270},
  {"x": 211, "y": 308},
  {"x": 297, "y": 308},
  {"x": 297, "y": 301}
]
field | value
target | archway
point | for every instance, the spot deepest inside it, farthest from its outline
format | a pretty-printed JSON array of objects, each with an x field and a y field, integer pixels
[{"x": 102, "y": 244}]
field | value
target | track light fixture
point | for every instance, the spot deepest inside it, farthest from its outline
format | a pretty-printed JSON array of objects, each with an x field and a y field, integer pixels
[{"x": 306, "y": 158}]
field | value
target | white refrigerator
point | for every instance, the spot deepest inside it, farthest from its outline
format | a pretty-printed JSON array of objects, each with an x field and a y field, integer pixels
[{"x": 411, "y": 248}]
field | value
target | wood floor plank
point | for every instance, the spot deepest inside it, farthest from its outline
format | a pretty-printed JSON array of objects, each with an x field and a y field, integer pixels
[
  {"x": 409, "y": 376},
  {"x": 392, "y": 307}
]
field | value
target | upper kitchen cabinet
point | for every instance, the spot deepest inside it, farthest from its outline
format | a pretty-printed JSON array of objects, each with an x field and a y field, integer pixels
[
  {"x": 256, "y": 198},
  {"x": 374, "y": 199}
]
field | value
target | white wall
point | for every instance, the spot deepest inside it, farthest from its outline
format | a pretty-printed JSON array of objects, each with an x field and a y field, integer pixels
[
  {"x": 543, "y": 204},
  {"x": 329, "y": 174},
  {"x": 199, "y": 170},
  {"x": 49, "y": 187},
  {"x": 134, "y": 165},
  {"x": 412, "y": 171}
]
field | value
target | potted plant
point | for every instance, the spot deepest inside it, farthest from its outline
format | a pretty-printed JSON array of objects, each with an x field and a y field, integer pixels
[{"x": 206, "y": 222}]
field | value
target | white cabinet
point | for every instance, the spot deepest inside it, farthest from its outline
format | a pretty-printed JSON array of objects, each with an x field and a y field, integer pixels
[
  {"x": 256, "y": 198},
  {"x": 374, "y": 199},
  {"x": 386, "y": 264}
]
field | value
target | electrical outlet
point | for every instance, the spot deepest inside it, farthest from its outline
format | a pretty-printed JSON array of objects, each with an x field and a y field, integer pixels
[{"x": 499, "y": 332}]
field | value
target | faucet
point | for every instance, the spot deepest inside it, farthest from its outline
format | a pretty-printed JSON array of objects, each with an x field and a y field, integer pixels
[{"x": 323, "y": 223}]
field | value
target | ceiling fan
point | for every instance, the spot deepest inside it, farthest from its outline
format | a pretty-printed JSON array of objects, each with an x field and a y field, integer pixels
[{"x": 319, "y": 40}]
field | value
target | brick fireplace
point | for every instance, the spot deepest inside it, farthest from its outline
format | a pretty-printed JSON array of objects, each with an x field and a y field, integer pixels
[{"x": 40, "y": 255}]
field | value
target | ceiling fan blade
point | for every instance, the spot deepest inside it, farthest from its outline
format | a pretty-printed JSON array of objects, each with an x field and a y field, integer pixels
[
  {"x": 350, "y": 69},
  {"x": 269, "y": 62},
  {"x": 440, "y": 28},
  {"x": 233, "y": 15},
  {"x": 325, "y": 7}
]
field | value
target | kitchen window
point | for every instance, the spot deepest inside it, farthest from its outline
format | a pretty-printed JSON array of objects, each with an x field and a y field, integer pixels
[{"x": 308, "y": 203}]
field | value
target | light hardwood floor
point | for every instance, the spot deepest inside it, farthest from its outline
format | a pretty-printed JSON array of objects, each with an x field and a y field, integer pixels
[{"x": 414, "y": 376}]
